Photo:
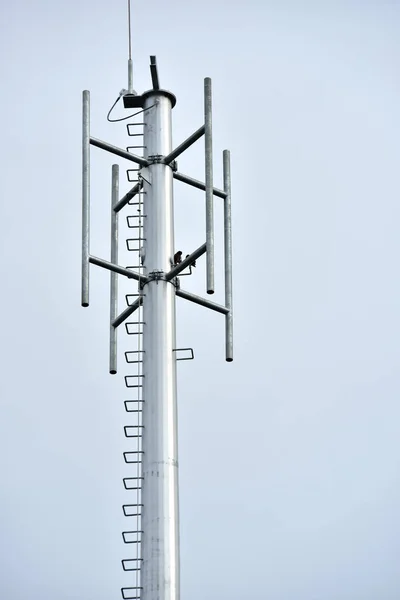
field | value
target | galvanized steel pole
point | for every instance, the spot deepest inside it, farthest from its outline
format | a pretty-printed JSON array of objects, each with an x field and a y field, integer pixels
[
  {"x": 228, "y": 256},
  {"x": 85, "y": 195},
  {"x": 209, "y": 184},
  {"x": 113, "y": 275},
  {"x": 160, "y": 516}
]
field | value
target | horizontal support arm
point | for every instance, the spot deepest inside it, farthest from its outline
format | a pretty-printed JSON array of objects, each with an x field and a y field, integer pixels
[
  {"x": 185, "y": 145},
  {"x": 128, "y": 196},
  {"x": 202, "y": 301},
  {"x": 197, "y": 184},
  {"x": 100, "y": 262},
  {"x": 119, "y": 152},
  {"x": 185, "y": 263},
  {"x": 127, "y": 312}
]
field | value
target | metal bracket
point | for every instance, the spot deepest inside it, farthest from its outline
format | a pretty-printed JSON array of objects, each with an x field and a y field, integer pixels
[
  {"x": 156, "y": 276},
  {"x": 145, "y": 174},
  {"x": 155, "y": 159}
]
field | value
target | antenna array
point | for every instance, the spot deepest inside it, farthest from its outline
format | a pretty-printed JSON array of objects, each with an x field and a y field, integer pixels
[{"x": 149, "y": 317}]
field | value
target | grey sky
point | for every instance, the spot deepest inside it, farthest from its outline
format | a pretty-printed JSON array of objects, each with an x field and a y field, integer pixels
[{"x": 289, "y": 456}]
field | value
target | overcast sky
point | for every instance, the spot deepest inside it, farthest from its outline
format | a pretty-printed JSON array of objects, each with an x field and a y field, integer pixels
[{"x": 289, "y": 456}]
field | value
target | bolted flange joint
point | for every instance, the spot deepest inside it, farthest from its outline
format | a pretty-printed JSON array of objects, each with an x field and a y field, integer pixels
[
  {"x": 157, "y": 159},
  {"x": 159, "y": 276}
]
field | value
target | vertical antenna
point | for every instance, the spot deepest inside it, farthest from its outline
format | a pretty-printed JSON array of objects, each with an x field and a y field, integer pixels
[
  {"x": 130, "y": 63},
  {"x": 114, "y": 276},
  {"x": 85, "y": 195},
  {"x": 228, "y": 256},
  {"x": 209, "y": 185}
]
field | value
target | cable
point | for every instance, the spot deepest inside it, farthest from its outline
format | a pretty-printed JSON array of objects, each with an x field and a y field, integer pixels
[{"x": 124, "y": 118}]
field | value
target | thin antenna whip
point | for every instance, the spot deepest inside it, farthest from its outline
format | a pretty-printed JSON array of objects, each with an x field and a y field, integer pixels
[
  {"x": 129, "y": 30},
  {"x": 130, "y": 63}
]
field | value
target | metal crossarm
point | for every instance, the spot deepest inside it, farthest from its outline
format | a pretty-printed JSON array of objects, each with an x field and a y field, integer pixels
[
  {"x": 202, "y": 301},
  {"x": 128, "y": 196},
  {"x": 100, "y": 262},
  {"x": 186, "y": 262},
  {"x": 185, "y": 145},
  {"x": 197, "y": 184},
  {"x": 118, "y": 151}
]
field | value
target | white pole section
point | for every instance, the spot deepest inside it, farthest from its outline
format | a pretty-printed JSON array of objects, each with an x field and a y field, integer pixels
[{"x": 160, "y": 516}]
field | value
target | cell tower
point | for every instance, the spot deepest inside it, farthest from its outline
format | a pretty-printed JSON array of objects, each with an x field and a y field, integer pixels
[{"x": 153, "y": 461}]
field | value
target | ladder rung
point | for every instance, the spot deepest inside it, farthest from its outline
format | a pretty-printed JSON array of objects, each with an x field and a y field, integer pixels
[
  {"x": 128, "y": 125},
  {"x": 129, "y": 148},
  {"x": 128, "y": 427},
  {"x": 132, "y": 410},
  {"x": 131, "y": 296},
  {"x": 132, "y": 173},
  {"x": 133, "y": 226},
  {"x": 132, "y": 385},
  {"x": 129, "y": 590},
  {"x": 130, "y": 246},
  {"x": 129, "y": 330},
  {"x": 127, "y": 540},
  {"x": 134, "y": 353},
  {"x": 127, "y": 512},
  {"x": 132, "y": 561},
  {"x": 130, "y": 462},
  {"x": 191, "y": 357},
  {"x": 135, "y": 239},
  {"x": 139, "y": 216},
  {"x": 126, "y": 484}
]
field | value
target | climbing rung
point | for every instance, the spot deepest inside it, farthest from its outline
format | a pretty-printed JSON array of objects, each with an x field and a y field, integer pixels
[
  {"x": 130, "y": 564},
  {"x": 130, "y": 327},
  {"x": 191, "y": 357},
  {"x": 129, "y": 403},
  {"x": 128, "y": 428},
  {"x": 131, "y": 510},
  {"x": 129, "y": 148},
  {"x": 129, "y": 222},
  {"x": 133, "y": 453},
  {"x": 133, "y": 296},
  {"x": 132, "y": 537},
  {"x": 128, "y": 486},
  {"x": 127, "y": 593},
  {"x": 129, "y": 378},
  {"x": 134, "y": 356},
  {"x": 134, "y": 247},
  {"x": 128, "y": 125},
  {"x": 131, "y": 173}
]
